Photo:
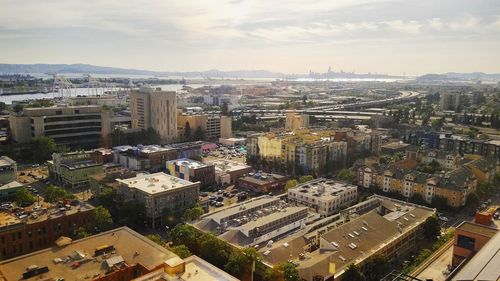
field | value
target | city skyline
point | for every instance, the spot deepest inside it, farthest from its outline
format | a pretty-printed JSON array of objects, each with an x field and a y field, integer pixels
[{"x": 391, "y": 37}]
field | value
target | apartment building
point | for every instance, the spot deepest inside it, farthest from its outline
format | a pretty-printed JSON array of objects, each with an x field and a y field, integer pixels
[
  {"x": 325, "y": 196},
  {"x": 462, "y": 145},
  {"x": 380, "y": 226},
  {"x": 74, "y": 168},
  {"x": 159, "y": 193},
  {"x": 8, "y": 170},
  {"x": 228, "y": 172},
  {"x": 301, "y": 151},
  {"x": 193, "y": 171},
  {"x": 446, "y": 160},
  {"x": 74, "y": 126},
  {"x": 39, "y": 229},
  {"x": 215, "y": 126},
  {"x": 453, "y": 185},
  {"x": 156, "y": 109},
  {"x": 451, "y": 101}
]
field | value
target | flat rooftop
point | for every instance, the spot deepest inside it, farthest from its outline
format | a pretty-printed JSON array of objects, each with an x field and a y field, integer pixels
[
  {"x": 271, "y": 218},
  {"x": 6, "y": 161},
  {"x": 8, "y": 219},
  {"x": 225, "y": 166},
  {"x": 128, "y": 245},
  {"x": 323, "y": 189},
  {"x": 233, "y": 210},
  {"x": 155, "y": 183},
  {"x": 262, "y": 178},
  {"x": 12, "y": 184},
  {"x": 192, "y": 164},
  {"x": 477, "y": 228},
  {"x": 196, "y": 269}
]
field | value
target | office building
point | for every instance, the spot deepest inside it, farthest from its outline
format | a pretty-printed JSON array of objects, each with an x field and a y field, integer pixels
[
  {"x": 228, "y": 172},
  {"x": 38, "y": 229},
  {"x": 155, "y": 109},
  {"x": 118, "y": 254},
  {"x": 214, "y": 126},
  {"x": 262, "y": 182},
  {"x": 193, "y": 171},
  {"x": 73, "y": 169},
  {"x": 325, "y": 196},
  {"x": 8, "y": 170},
  {"x": 160, "y": 193},
  {"x": 151, "y": 158},
  {"x": 74, "y": 126}
]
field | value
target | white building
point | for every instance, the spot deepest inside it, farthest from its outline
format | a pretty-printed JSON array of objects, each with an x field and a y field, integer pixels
[{"x": 325, "y": 196}]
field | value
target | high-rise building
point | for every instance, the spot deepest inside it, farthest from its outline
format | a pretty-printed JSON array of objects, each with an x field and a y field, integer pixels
[
  {"x": 451, "y": 101},
  {"x": 155, "y": 109}
]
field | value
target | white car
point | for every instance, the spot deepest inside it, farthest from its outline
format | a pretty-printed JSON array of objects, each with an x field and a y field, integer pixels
[{"x": 443, "y": 218}]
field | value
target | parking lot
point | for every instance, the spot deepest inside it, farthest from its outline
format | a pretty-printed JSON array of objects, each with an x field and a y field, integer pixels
[
  {"x": 236, "y": 154},
  {"x": 222, "y": 197}
]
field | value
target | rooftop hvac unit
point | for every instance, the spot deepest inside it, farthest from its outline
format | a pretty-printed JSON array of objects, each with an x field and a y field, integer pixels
[
  {"x": 335, "y": 244},
  {"x": 364, "y": 228},
  {"x": 270, "y": 243},
  {"x": 342, "y": 259},
  {"x": 355, "y": 232},
  {"x": 350, "y": 235},
  {"x": 285, "y": 245},
  {"x": 266, "y": 253}
]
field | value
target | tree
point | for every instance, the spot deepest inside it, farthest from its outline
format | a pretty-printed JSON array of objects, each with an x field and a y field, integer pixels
[
  {"x": 472, "y": 201},
  {"x": 81, "y": 233},
  {"x": 181, "y": 250},
  {"x": 290, "y": 271},
  {"x": 199, "y": 134},
  {"x": 353, "y": 273},
  {"x": 24, "y": 197},
  {"x": 431, "y": 228},
  {"x": 304, "y": 179},
  {"x": 43, "y": 147},
  {"x": 214, "y": 250},
  {"x": 187, "y": 131},
  {"x": 155, "y": 238},
  {"x": 440, "y": 202},
  {"x": 18, "y": 107},
  {"x": 376, "y": 268},
  {"x": 193, "y": 213},
  {"x": 3, "y": 106},
  {"x": 417, "y": 198},
  {"x": 484, "y": 189},
  {"x": 184, "y": 234},
  {"x": 240, "y": 263},
  {"x": 290, "y": 184},
  {"x": 102, "y": 217},
  {"x": 346, "y": 175},
  {"x": 54, "y": 193}
]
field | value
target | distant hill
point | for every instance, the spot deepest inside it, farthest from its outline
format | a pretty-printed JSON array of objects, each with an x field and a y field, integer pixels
[
  {"x": 473, "y": 76},
  {"x": 87, "y": 68}
]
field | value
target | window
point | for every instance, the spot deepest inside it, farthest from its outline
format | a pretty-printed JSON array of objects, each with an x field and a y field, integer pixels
[{"x": 466, "y": 242}]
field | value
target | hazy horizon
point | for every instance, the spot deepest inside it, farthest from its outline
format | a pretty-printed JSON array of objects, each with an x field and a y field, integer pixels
[{"x": 390, "y": 37}]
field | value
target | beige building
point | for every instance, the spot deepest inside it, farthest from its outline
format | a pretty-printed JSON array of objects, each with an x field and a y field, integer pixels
[
  {"x": 8, "y": 170},
  {"x": 71, "y": 125},
  {"x": 295, "y": 121},
  {"x": 156, "y": 109},
  {"x": 160, "y": 192},
  {"x": 215, "y": 126}
]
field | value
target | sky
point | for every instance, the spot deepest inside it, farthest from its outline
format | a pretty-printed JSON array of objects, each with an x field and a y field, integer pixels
[{"x": 389, "y": 36}]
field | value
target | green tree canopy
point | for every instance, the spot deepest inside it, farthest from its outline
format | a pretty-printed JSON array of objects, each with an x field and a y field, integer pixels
[
  {"x": 43, "y": 147},
  {"x": 155, "y": 238},
  {"x": 353, "y": 273},
  {"x": 431, "y": 228},
  {"x": 346, "y": 175},
  {"x": 24, "y": 197},
  {"x": 199, "y": 134},
  {"x": 291, "y": 184},
  {"x": 376, "y": 268},
  {"x": 81, "y": 233},
  {"x": 240, "y": 262},
  {"x": 214, "y": 250},
  {"x": 181, "y": 250},
  {"x": 193, "y": 213},
  {"x": 102, "y": 218},
  {"x": 54, "y": 193},
  {"x": 304, "y": 179}
]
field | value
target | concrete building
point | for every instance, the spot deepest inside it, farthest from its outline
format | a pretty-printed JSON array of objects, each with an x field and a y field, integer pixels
[
  {"x": 8, "y": 170},
  {"x": 462, "y": 145},
  {"x": 228, "y": 172},
  {"x": 255, "y": 221},
  {"x": 75, "y": 126},
  {"x": 451, "y": 101},
  {"x": 325, "y": 196},
  {"x": 155, "y": 109},
  {"x": 483, "y": 266},
  {"x": 262, "y": 182},
  {"x": 159, "y": 193},
  {"x": 151, "y": 158},
  {"x": 118, "y": 254},
  {"x": 215, "y": 126},
  {"x": 469, "y": 239},
  {"x": 39, "y": 229},
  {"x": 193, "y": 171},
  {"x": 73, "y": 169},
  {"x": 295, "y": 121}
]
